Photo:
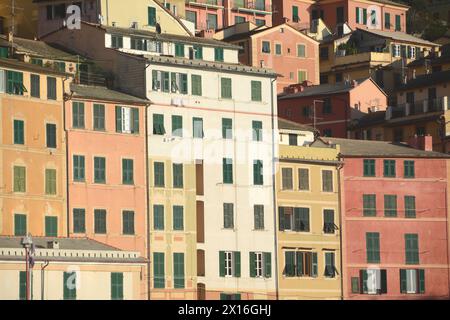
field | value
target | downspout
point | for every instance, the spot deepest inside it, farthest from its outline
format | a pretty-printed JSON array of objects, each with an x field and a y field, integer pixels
[
  {"x": 147, "y": 189},
  {"x": 67, "y": 159},
  {"x": 339, "y": 168},
  {"x": 274, "y": 197},
  {"x": 448, "y": 242},
  {"x": 42, "y": 279}
]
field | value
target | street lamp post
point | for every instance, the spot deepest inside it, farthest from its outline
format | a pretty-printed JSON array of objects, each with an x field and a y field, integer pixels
[{"x": 27, "y": 242}]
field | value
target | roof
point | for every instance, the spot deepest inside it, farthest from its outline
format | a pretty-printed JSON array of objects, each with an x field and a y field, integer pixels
[
  {"x": 104, "y": 94},
  {"x": 167, "y": 37},
  {"x": 38, "y": 48},
  {"x": 399, "y": 36},
  {"x": 217, "y": 66},
  {"x": 426, "y": 80},
  {"x": 291, "y": 125},
  {"x": 16, "y": 64},
  {"x": 389, "y": 2},
  {"x": 323, "y": 89},
  {"x": 370, "y": 119},
  {"x": 366, "y": 148},
  {"x": 64, "y": 243}
]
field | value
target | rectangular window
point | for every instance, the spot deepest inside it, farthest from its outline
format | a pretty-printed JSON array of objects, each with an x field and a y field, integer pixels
[
  {"x": 301, "y": 51},
  {"x": 128, "y": 222},
  {"x": 303, "y": 177},
  {"x": 227, "y": 128},
  {"x": 228, "y": 216},
  {"x": 51, "y": 88},
  {"x": 51, "y": 226},
  {"x": 20, "y": 179},
  {"x": 295, "y": 17},
  {"x": 373, "y": 281},
  {"x": 178, "y": 270},
  {"x": 127, "y": 120},
  {"x": 260, "y": 264},
  {"x": 286, "y": 178},
  {"x": 177, "y": 126},
  {"x": 227, "y": 168},
  {"x": 19, "y": 132},
  {"x": 265, "y": 48},
  {"x": 197, "y": 126},
  {"x": 369, "y": 205},
  {"x": 116, "y": 286},
  {"x": 99, "y": 117},
  {"x": 398, "y": 26},
  {"x": 78, "y": 115},
  {"x": 178, "y": 220},
  {"x": 196, "y": 83},
  {"x": 409, "y": 169},
  {"x": 198, "y": 52},
  {"x": 256, "y": 91},
  {"x": 258, "y": 217},
  {"x": 358, "y": 15},
  {"x": 151, "y": 16},
  {"x": 330, "y": 267},
  {"x": 35, "y": 86},
  {"x": 116, "y": 41},
  {"x": 69, "y": 286},
  {"x": 373, "y": 247},
  {"x": 387, "y": 20},
  {"x": 257, "y": 130},
  {"x": 158, "y": 217},
  {"x": 225, "y": 86},
  {"x": 79, "y": 221},
  {"x": 158, "y": 270},
  {"x": 278, "y": 49},
  {"x": 22, "y": 285},
  {"x": 412, "y": 281},
  {"x": 100, "y": 221},
  {"x": 158, "y": 169},
  {"x": 14, "y": 83},
  {"x": 179, "y": 50},
  {"x": 177, "y": 169},
  {"x": 389, "y": 168},
  {"x": 410, "y": 206},
  {"x": 390, "y": 205},
  {"x": 293, "y": 140},
  {"x": 328, "y": 221},
  {"x": 258, "y": 172},
  {"x": 218, "y": 54},
  {"x": 301, "y": 76},
  {"x": 50, "y": 129},
  {"x": 20, "y": 225},
  {"x": 50, "y": 181},
  {"x": 239, "y": 19},
  {"x": 230, "y": 263},
  {"x": 327, "y": 181},
  {"x": 99, "y": 170},
  {"x": 211, "y": 21},
  {"x": 78, "y": 168},
  {"x": 300, "y": 264},
  {"x": 411, "y": 249},
  {"x": 179, "y": 83},
  {"x": 127, "y": 171},
  {"x": 369, "y": 168},
  {"x": 158, "y": 124},
  {"x": 340, "y": 14}
]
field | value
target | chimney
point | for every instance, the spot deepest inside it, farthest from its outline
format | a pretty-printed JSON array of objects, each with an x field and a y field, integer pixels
[
  {"x": 421, "y": 143},
  {"x": 354, "y": 83}
]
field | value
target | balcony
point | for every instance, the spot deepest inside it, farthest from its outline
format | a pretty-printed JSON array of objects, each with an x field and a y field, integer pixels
[
  {"x": 259, "y": 7},
  {"x": 217, "y": 4},
  {"x": 420, "y": 107},
  {"x": 345, "y": 59}
]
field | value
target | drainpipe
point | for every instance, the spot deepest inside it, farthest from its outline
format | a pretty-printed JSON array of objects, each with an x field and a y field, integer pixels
[
  {"x": 448, "y": 242},
  {"x": 274, "y": 199},
  {"x": 67, "y": 159},
  {"x": 147, "y": 192},
  {"x": 42, "y": 278},
  {"x": 339, "y": 168}
]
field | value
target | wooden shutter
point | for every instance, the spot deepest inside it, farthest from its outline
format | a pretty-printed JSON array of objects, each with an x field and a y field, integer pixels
[
  {"x": 383, "y": 288},
  {"x": 237, "y": 264},
  {"x": 200, "y": 222},
  {"x": 151, "y": 16},
  {"x": 252, "y": 264},
  {"x": 364, "y": 16},
  {"x": 135, "y": 117},
  {"x": 118, "y": 119},
  {"x": 199, "y": 177},
  {"x": 267, "y": 259},
  {"x": 402, "y": 281},
  {"x": 256, "y": 90},
  {"x": 200, "y": 263},
  {"x": 222, "y": 263},
  {"x": 358, "y": 19},
  {"x": 421, "y": 273},
  {"x": 299, "y": 263},
  {"x": 363, "y": 281},
  {"x": 281, "y": 219}
]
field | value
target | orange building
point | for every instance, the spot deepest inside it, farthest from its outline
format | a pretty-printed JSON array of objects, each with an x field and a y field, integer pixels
[{"x": 32, "y": 150}]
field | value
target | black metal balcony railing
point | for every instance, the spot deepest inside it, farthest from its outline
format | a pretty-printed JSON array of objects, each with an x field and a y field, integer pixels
[
  {"x": 418, "y": 107},
  {"x": 252, "y": 5},
  {"x": 435, "y": 105},
  {"x": 217, "y": 3}
]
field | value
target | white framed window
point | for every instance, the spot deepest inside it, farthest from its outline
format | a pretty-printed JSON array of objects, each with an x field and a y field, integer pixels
[
  {"x": 396, "y": 50},
  {"x": 259, "y": 264},
  {"x": 126, "y": 120},
  {"x": 411, "y": 281},
  {"x": 228, "y": 263},
  {"x": 412, "y": 52},
  {"x": 373, "y": 281}
]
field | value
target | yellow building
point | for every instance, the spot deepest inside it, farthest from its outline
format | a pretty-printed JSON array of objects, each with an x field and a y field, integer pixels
[
  {"x": 32, "y": 150},
  {"x": 308, "y": 236}
]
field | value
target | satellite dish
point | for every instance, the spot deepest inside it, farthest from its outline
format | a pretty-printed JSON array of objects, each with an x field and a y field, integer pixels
[{"x": 158, "y": 28}]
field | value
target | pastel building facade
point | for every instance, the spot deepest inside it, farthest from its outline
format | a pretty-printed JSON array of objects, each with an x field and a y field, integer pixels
[
  {"x": 33, "y": 159},
  {"x": 394, "y": 220}
]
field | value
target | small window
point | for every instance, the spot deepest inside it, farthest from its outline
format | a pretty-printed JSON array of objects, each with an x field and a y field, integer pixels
[
  {"x": 409, "y": 169},
  {"x": 258, "y": 211},
  {"x": 410, "y": 206},
  {"x": 327, "y": 181},
  {"x": 158, "y": 217},
  {"x": 197, "y": 126},
  {"x": 257, "y": 130},
  {"x": 78, "y": 115},
  {"x": 177, "y": 169},
  {"x": 390, "y": 205},
  {"x": 127, "y": 171},
  {"x": 20, "y": 225},
  {"x": 265, "y": 47},
  {"x": 78, "y": 168},
  {"x": 369, "y": 168},
  {"x": 158, "y": 174},
  {"x": 369, "y": 205},
  {"x": 20, "y": 180},
  {"x": 99, "y": 117},
  {"x": 158, "y": 124},
  {"x": 303, "y": 177},
  {"x": 218, "y": 54},
  {"x": 301, "y": 51},
  {"x": 227, "y": 167},
  {"x": 228, "y": 216},
  {"x": 293, "y": 141},
  {"x": 178, "y": 223},
  {"x": 99, "y": 170},
  {"x": 227, "y": 128},
  {"x": 19, "y": 132},
  {"x": 258, "y": 172},
  {"x": 51, "y": 88},
  {"x": 256, "y": 91},
  {"x": 79, "y": 221},
  {"x": 177, "y": 126},
  {"x": 51, "y": 226},
  {"x": 196, "y": 85},
  {"x": 278, "y": 49},
  {"x": 286, "y": 179},
  {"x": 100, "y": 221},
  {"x": 51, "y": 135},
  {"x": 329, "y": 226},
  {"x": 128, "y": 222},
  {"x": 35, "y": 86},
  {"x": 50, "y": 181},
  {"x": 389, "y": 168},
  {"x": 226, "y": 89}
]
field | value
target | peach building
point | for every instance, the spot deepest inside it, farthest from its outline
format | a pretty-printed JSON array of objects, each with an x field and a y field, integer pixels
[
  {"x": 107, "y": 168},
  {"x": 32, "y": 150}
]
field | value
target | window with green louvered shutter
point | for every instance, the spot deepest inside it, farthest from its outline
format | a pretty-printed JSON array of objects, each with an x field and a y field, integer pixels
[
  {"x": 330, "y": 269},
  {"x": 116, "y": 286},
  {"x": 289, "y": 266},
  {"x": 158, "y": 217},
  {"x": 358, "y": 18},
  {"x": 369, "y": 205},
  {"x": 79, "y": 221},
  {"x": 158, "y": 270},
  {"x": 237, "y": 264},
  {"x": 22, "y": 285},
  {"x": 389, "y": 168},
  {"x": 50, "y": 181},
  {"x": 99, "y": 117},
  {"x": 225, "y": 86},
  {"x": 421, "y": 280},
  {"x": 303, "y": 175},
  {"x": 227, "y": 167},
  {"x": 301, "y": 51},
  {"x": 387, "y": 20},
  {"x": 177, "y": 126},
  {"x": 35, "y": 91},
  {"x": 19, "y": 179},
  {"x": 99, "y": 170},
  {"x": 100, "y": 221},
  {"x": 328, "y": 221},
  {"x": 197, "y": 127},
  {"x": 177, "y": 169},
  {"x": 410, "y": 206},
  {"x": 301, "y": 219},
  {"x": 19, "y": 132},
  {"x": 128, "y": 171},
  {"x": 78, "y": 115},
  {"x": 158, "y": 124},
  {"x": 256, "y": 90},
  {"x": 295, "y": 16},
  {"x": 228, "y": 216},
  {"x": 198, "y": 52},
  {"x": 327, "y": 181},
  {"x": 50, "y": 129},
  {"x": 390, "y": 205},
  {"x": 178, "y": 218},
  {"x": 299, "y": 263},
  {"x": 222, "y": 263},
  {"x": 315, "y": 265},
  {"x": 364, "y": 16},
  {"x": 363, "y": 276},
  {"x": 69, "y": 286},
  {"x": 135, "y": 120},
  {"x": 218, "y": 54},
  {"x": 355, "y": 285},
  {"x": 158, "y": 170},
  {"x": 178, "y": 270},
  {"x": 179, "y": 50},
  {"x": 118, "y": 119},
  {"x": 286, "y": 179},
  {"x": 4, "y": 52},
  {"x": 409, "y": 169},
  {"x": 51, "y": 226},
  {"x": 412, "y": 249},
  {"x": 267, "y": 259},
  {"x": 20, "y": 225},
  {"x": 252, "y": 260},
  {"x": 128, "y": 222},
  {"x": 398, "y": 26},
  {"x": 258, "y": 217},
  {"x": 403, "y": 282},
  {"x": 14, "y": 83},
  {"x": 196, "y": 84},
  {"x": 373, "y": 247},
  {"x": 151, "y": 16},
  {"x": 258, "y": 172},
  {"x": 78, "y": 168},
  {"x": 51, "y": 88},
  {"x": 257, "y": 130},
  {"x": 227, "y": 128},
  {"x": 369, "y": 168}
]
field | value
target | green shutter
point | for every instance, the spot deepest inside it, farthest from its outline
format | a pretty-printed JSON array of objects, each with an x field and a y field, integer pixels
[
  {"x": 151, "y": 16},
  {"x": 410, "y": 206},
  {"x": 363, "y": 276},
  {"x": 256, "y": 90},
  {"x": 237, "y": 264},
  {"x": 197, "y": 126},
  {"x": 299, "y": 263},
  {"x": 390, "y": 205},
  {"x": 289, "y": 269},
  {"x": 158, "y": 124},
  {"x": 257, "y": 130},
  {"x": 218, "y": 54},
  {"x": 295, "y": 16},
  {"x": 158, "y": 217},
  {"x": 178, "y": 223},
  {"x": 355, "y": 284},
  {"x": 402, "y": 281},
  {"x": 373, "y": 247},
  {"x": 315, "y": 266},
  {"x": 177, "y": 126},
  {"x": 222, "y": 263},
  {"x": 20, "y": 225},
  {"x": 128, "y": 222},
  {"x": 301, "y": 52},
  {"x": 178, "y": 270},
  {"x": 369, "y": 168},
  {"x": 226, "y": 90},
  {"x": 116, "y": 286},
  {"x": 159, "y": 174},
  {"x": 118, "y": 119},
  {"x": 397, "y": 23},
  {"x": 267, "y": 264},
  {"x": 252, "y": 265},
  {"x": 19, "y": 179},
  {"x": 421, "y": 280},
  {"x": 19, "y": 132},
  {"x": 364, "y": 16},
  {"x": 412, "y": 248},
  {"x": 22, "y": 285},
  {"x": 135, "y": 120},
  {"x": 100, "y": 221},
  {"x": 358, "y": 20},
  {"x": 177, "y": 175},
  {"x": 227, "y": 128},
  {"x": 227, "y": 167},
  {"x": 51, "y": 226},
  {"x": 69, "y": 287},
  {"x": 158, "y": 270},
  {"x": 196, "y": 83},
  {"x": 409, "y": 171}
]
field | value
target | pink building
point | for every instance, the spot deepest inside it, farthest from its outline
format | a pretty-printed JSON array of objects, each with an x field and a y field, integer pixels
[
  {"x": 218, "y": 14},
  {"x": 374, "y": 14},
  {"x": 331, "y": 107},
  {"x": 296, "y": 13},
  {"x": 394, "y": 220},
  {"x": 107, "y": 167}
]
